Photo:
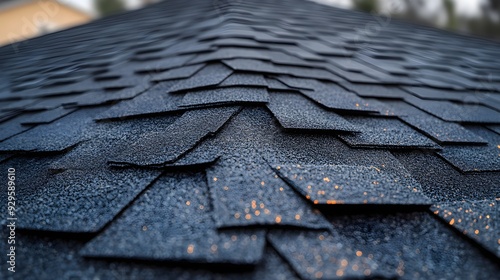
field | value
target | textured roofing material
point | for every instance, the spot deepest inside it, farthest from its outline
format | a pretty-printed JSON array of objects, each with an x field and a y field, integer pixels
[{"x": 254, "y": 140}]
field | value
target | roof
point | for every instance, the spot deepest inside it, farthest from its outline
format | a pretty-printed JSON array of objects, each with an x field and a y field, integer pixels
[{"x": 252, "y": 139}]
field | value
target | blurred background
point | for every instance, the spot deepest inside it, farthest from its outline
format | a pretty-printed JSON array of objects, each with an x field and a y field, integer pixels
[
  {"x": 24, "y": 19},
  {"x": 477, "y": 17}
]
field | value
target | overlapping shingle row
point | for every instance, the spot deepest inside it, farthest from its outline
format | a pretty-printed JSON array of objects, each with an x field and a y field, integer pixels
[{"x": 272, "y": 137}]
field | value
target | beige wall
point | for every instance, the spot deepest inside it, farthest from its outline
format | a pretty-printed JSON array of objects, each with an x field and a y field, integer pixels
[{"x": 35, "y": 18}]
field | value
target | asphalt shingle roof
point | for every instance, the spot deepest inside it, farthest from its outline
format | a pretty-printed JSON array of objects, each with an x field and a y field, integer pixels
[{"x": 252, "y": 139}]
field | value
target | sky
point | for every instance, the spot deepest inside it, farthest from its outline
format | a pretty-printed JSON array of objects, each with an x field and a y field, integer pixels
[{"x": 88, "y": 5}]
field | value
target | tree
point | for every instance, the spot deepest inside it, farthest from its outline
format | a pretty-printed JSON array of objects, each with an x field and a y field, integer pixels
[
  {"x": 449, "y": 6},
  {"x": 108, "y": 7},
  {"x": 369, "y": 6}
]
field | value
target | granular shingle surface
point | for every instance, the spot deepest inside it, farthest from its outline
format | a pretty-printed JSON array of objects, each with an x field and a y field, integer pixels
[
  {"x": 385, "y": 133},
  {"x": 471, "y": 159},
  {"x": 225, "y": 95},
  {"x": 260, "y": 196},
  {"x": 158, "y": 148},
  {"x": 251, "y": 140},
  {"x": 180, "y": 220},
  {"x": 294, "y": 111},
  {"x": 476, "y": 219},
  {"x": 344, "y": 184}
]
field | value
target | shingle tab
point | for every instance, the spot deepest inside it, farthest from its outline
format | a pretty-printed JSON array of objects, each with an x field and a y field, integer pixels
[
  {"x": 210, "y": 75},
  {"x": 344, "y": 184},
  {"x": 441, "y": 94},
  {"x": 449, "y": 111},
  {"x": 410, "y": 245},
  {"x": 242, "y": 64},
  {"x": 155, "y": 100},
  {"x": 296, "y": 112},
  {"x": 385, "y": 133},
  {"x": 495, "y": 128},
  {"x": 178, "y": 73},
  {"x": 316, "y": 255},
  {"x": 13, "y": 126},
  {"x": 41, "y": 252},
  {"x": 475, "y": 219},
  {"x": 300, "y": 83},
  {"x": 226, "y": 95},
  {"x": 480, "y": 158},
  {"x": 109, "y": 138},
  {"x": 47, "y": 116},
  {"x": 48, "y": 103},
  {"x": 443, "y": 183},
  {"x": 246, "y": 193},
  {"x": 99, "y": 97},
  {"x": 276, "y": 85},
  {"x": 158, "y": 148},
  {"x": 244, "y": 79},
  {"x": 335, "y": 97},
  {"x": 176, "y": 224},
  {"x": 437, "y": 129},
  {"x": 166, "y": 63},
  {"x": 367, "y": 90},
  {"x": 80, "y": 201},
  {"x": 57, "y": 136}
]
